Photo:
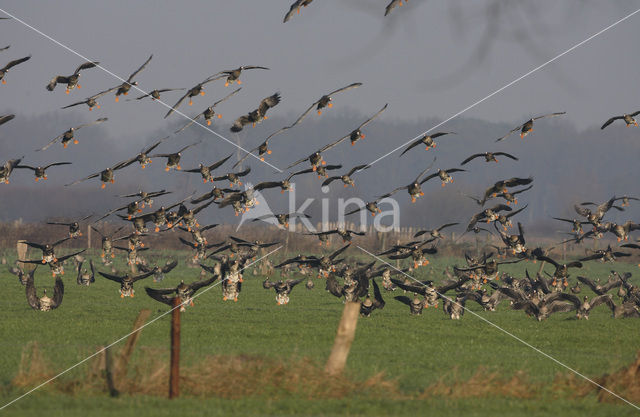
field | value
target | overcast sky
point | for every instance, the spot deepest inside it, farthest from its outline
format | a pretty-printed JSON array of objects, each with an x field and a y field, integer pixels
[
  {"x": 428, "y": 60},
  {"x": 422, "y": 59}
]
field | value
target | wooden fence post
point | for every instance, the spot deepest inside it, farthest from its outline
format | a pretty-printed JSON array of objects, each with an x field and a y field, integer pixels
[
  {"x": 108, "y": 369},
  {"x": 342, "y": 344},
  {"x": 21, "y": 248},
  {"x": 174, "y": 373},
  {"x": 122, "y": 364}
]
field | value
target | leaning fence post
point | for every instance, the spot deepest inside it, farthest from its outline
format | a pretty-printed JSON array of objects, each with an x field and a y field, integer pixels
[
  {"x": 346, "y": 333},
  {"x": 21, "y": 248},
  {"x": 108, "y": 369},
  {"x": 125, "y": 354},
  {"x": 174, "y": 373}
]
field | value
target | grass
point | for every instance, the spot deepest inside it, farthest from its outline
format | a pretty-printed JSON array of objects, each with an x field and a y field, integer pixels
[{"x": 413, "y": 354}]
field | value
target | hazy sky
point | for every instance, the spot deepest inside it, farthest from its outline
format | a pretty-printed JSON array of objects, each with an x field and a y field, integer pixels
[
  {"x": 421, "y": 59},
  {"x": 428, "y": 60}
]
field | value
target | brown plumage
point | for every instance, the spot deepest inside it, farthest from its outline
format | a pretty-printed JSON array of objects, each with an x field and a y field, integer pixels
[{"x": 257, "y": 115}]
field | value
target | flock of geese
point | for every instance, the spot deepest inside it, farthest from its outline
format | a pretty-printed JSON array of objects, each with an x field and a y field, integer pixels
[
  {"x": 479, "y": 280},
  {"x": 298, "y": 4}
]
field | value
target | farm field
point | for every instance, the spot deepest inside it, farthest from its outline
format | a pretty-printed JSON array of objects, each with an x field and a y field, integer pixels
[{"x": 410, "y": 355}]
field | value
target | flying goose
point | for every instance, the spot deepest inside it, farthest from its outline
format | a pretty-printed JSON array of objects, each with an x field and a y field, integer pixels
[
  {"x": 71, "y": 80},
  {"x": 434, "y": 233},
  {"x": 155, "y": 94},
  {"x": 234, "y": 74},
  {"x": 44, "y": 303},
  {"x": 545, "y": 308},
  {"x": 184, "y": 292},
  {"x": 257, "y": 115},
  {"x": 489, "y": 215},
  {"x": 233, "y": 177},
  {"x": 621, "y": 231},
  {"x": 242, "y": 201},
  {"x": 200, "y": 248},
  {"x": 23, "y": 275},
  {"x": 527, "y": 126},
  {"x": 427, "y": 140},
  {"x": 325, "y": 101},
  {"x": 416, "y": 252},
  {"x": 604, "y": 255},
  {"x": 295, "y": 8},
  {"x": 444, "y": 175},
  {"x": 188, "y": 216},
  {"x": 356, "y": 283},
  {"x": 625, "y": 200},
  {"x": 628, "y": 119},
  {"x": 40, "y": 171},
  {"x": 356, "y": 134},
  {"x": 132, "y": 254},
  {"x": 135, "y": 206},
  {"x": 324, "y": 264},
  {"x": 514, "y": 242},
  {"x": 282, "y": 288},
  {"x": 69, "y": 135},
  {"x": 107, "y": 242},
  {"x": 173, "y": 159},
  {"x": 263, "y": 148},
  {"x": 595, "y": 217},
  {"x": 74, "y": 227},
  {"x": 371, "y": 207},
  {"x": 392, "y": 5},
  {"x": 159, "y": 271},
  {"x": 283, "y": 218},
  {"x": 561, "y": 270},
  {"x": 414, "y": 189},
  {"x": 501, "y": 187},
  {"x": 489, "y": 157},
  {"x": 126, "y": 86},
  {"x": 576, "y": 224},
  {"x": 215, "y": 193},
  {"x": 106, "y": 176},
  {"x": 55, "y": 265},
  {"x": 320, "y": 170},
  {"x": 505, "y": 219},
  {"x": 601, "y": 289},
  {"x": 428, "y": 290},
  {"x": 146, "y": 198},
  {"x": 416, "y": 305},
  {"x": 206, "y": 170},
  {"x": 344, "y": 233},
  {"x": 208, "y": 113},
  {"x": 11, "y": 64},
  {"x": 196, "y": 234},
  {"x": 368, "y": 305},
  {"x": 91, "y": 101},
  {"x": 143, "y": 157},
  {"x": 626, "y": 309},
  {"x": 193, "y": 92},
  {"x": 126, "y": 282},
  {"x": 346, "y": 178},
  {"x": 5, "y": 118},
  {"x": 84, "y": 276},
  {"x": 454, "y": 308},
  {"x": 48, "y": 249}
]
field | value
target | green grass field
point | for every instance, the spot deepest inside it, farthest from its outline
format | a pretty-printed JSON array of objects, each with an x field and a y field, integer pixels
[{"x": 412, "y": 352}]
